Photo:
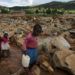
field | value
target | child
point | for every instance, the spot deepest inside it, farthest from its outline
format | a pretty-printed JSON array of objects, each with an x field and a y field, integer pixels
[
  {"x": 5, "y": 45},
  {"x": 30, "y": 45}
]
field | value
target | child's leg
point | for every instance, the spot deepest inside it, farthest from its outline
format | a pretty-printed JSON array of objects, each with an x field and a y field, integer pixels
[
  {"x": 3, "y": 53},
  {"x": 8, "y": 53},
  {"x": 31, "y": 72},
  {"x": 31, "y": 65},
  {"x": 0, "y": 54},
  {"x": 24, "y": 71}
]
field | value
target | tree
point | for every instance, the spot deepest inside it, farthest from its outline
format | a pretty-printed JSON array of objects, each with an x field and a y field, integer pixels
[
  {"x": 37, "y": 11},
  {"x": 61, "y": 11},
  {"x": 54, "y": 11},
  {"x": 29, "y": 11},
  {"x": 48, "y": 11},
  {"x": 5, "y": 10}
]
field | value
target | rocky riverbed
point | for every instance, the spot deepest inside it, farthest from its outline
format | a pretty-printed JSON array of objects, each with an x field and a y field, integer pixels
[{"x": 53, "y": 53}]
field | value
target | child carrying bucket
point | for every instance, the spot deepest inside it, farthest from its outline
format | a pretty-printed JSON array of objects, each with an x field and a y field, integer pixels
[{"x": 30, "y": 47}]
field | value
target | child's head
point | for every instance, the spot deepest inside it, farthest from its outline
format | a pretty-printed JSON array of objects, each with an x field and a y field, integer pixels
[
  {"x": 5, "y": 34},
  {"x": 37, "y": 29}
]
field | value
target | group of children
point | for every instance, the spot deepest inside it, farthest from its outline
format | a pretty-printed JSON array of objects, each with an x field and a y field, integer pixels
[{"x": 29, "y": 46}]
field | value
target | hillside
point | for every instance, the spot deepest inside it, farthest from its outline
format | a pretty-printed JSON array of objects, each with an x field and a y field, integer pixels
[
  {"x": 54, "y": 4},
  {"x": 66, "y": 5}
]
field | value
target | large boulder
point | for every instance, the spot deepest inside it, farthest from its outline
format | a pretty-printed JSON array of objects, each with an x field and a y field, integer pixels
[
  {"x": 60, "y": 42},
  {"x": 44, "y": 44},
  {"x": 65, "y": 59},
  {"x": 59, "y": 58},
  {"x": 70, "y": 61}
]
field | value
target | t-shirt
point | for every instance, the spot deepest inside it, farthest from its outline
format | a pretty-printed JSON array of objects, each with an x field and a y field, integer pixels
[
  {"x": 4, "y": 39},
  {"x": 30, "y": 41}
]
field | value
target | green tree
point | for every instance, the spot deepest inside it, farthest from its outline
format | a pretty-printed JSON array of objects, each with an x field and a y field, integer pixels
[
  {"x": 61, "y": 11},
  {"x": 5, "y": 10},
  {"x": 37, "y": 11},
  {"x": 54, "y": 11},
  {"x": 48, "y": 11},
  {"x": 29, "y": 11}
]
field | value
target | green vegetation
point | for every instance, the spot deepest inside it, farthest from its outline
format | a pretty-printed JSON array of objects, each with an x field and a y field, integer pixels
[
  {"x": 44, "y": 11},
  {"x": 52, "y": 8},
  {"x": 70, "y": 11},
  {"x": 4, "y": 10}
]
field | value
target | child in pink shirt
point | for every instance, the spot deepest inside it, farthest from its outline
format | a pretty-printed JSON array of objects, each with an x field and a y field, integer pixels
[
  {"x": 30, "y": 45},
  {"x": 30, "y": 41},
  {"x": 5, "y": 45}
]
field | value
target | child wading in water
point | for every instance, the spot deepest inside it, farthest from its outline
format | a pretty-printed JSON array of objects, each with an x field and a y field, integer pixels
[{"x": 30, "y": 46}]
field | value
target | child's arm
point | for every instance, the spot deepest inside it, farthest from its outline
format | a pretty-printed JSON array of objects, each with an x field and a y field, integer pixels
[{"x": 24, "y": 45}]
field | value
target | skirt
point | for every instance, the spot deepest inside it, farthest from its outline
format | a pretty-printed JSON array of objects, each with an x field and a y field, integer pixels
[
  {"x": 4, "y": 46},
  {"x": 33, "y": 54}
]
